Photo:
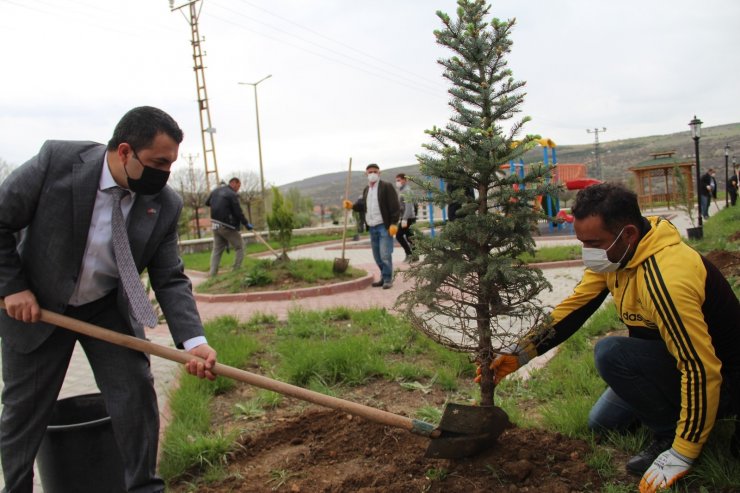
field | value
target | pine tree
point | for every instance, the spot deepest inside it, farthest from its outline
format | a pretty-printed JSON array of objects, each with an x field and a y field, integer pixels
[
  {"x": 281, "y": 222},
  {"x": 471, "y": 291}
]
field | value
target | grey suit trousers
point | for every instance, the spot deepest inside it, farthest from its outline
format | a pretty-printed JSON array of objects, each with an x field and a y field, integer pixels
[{"x": 32, "y": 384}]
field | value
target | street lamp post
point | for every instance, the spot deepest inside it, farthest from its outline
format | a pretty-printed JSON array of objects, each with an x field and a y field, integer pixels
[
  {"x": 695, "y": 126},
  {"x": 259, "y": 139},
  {"x": 727, "y": 176}
]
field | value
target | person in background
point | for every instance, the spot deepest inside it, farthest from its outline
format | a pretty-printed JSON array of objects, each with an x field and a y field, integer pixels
[
  {"x": 226, "y": 219},
  {"x": 408, "y": 216},
  {"x": 382, "y": 210},
  {"x": 359, "y": 218},
  {"x": 732, "y": 187},
  {"x": 708, "y": 191},
  {"x": 92, "y": 219},
  {"x": 679, "y": 368}
]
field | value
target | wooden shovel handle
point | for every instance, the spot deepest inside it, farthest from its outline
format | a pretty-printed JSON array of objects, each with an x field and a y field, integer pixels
[
  {"x": 259, "y": 237},
  {"x": 369, "y": 413}
]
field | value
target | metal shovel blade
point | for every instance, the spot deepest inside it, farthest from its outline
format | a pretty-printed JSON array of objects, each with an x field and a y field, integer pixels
[
  {"x": 340, "y": 265},
  {"x": 467, "y": 430}
]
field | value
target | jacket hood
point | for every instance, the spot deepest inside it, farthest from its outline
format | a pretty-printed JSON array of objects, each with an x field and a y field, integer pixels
[{"x": 662, "y": 234}]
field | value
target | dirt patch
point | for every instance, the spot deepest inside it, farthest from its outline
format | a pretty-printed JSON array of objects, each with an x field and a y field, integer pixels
[
  {"x": 727, "y": 262},
  {"x": 302, "y": 448}
]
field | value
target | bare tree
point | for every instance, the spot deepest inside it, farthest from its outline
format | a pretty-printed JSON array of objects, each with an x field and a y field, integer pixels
[
  {"x": 249, "y": 193},
  {"x": 192, "y": 185},
  {"x": 5, "y": 169}
]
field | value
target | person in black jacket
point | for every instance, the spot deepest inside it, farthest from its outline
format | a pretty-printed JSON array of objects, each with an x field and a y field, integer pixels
[
  {"x": 382, "y": 211},
  {"x": 226, "y": 218},
  {"x": 708, "y": 191}
]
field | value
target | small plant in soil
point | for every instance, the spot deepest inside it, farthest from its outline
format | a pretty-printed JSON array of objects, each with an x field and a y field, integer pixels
[{"x": 471, "y": 291}]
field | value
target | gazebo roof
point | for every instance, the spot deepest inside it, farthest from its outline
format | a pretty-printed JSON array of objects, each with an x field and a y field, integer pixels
[{"x": 661, "y": 160}]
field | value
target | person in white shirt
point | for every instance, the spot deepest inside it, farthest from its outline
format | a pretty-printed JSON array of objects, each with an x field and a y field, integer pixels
[
  {"x": 61, "y": 203},
  {"x": 382, "y": 211}
]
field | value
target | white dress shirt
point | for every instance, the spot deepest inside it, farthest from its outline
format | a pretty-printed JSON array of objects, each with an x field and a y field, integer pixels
[
  {"x": 373, "y": 217},
  {"x": 99, "y": 272}
]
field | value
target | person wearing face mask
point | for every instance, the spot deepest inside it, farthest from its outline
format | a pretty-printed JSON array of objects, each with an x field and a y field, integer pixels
[
  {"x": 679, "y": 368},
  {"x": 408, "y": 216},
  {"x": 82, "y": 209},
  {"x": 382, "y": 210}
]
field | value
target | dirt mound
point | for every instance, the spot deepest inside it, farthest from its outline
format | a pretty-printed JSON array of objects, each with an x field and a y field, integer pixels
[
  {"x": 327, "y": 451},
  {"x": 727, "y": 262}
]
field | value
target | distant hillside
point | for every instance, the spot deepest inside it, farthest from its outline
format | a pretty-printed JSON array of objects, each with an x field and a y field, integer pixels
[{"x": 616, "y": 157}]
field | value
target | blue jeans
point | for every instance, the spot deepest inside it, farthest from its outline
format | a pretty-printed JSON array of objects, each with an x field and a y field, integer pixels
[
  {"x": 644, "y": 384},
  {"x": 704, "y": 202},
  {"x": 382, "y": 244}
]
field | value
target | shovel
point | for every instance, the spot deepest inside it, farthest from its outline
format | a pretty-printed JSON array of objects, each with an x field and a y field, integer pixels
[
  {"x": 462, "y": 432},
  {"x": 341, "y": 264},
  {"x": 259, "y": 237}
]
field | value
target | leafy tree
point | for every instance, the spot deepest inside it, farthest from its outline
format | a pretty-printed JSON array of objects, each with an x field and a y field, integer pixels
[
  {"x": 281, "y": 221},
  {"x": 471, "y": 292}
]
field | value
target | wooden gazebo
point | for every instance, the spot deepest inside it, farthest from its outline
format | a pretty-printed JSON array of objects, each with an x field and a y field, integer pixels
[{"x": 656, "y": 180}]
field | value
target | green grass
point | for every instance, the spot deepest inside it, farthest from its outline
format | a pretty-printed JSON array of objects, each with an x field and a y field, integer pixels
[
  {"x": 201, "y": 261},
  {"x": 718, "y": 229},
  {"x": 553, "y": 254},
  {"x": 276, "y": 275}
]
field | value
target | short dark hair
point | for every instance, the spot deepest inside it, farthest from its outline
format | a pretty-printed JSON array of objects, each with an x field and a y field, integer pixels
[
  {"x": 401, "y": 176},
  {"x": 140, "y": 126},
  {"x": 372, "y": 165},
  {"x": 614, "y": 203},
  {"x": 234, "y": 179}
]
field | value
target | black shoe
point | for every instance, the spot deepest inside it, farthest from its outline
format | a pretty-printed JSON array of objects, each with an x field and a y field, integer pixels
[
  {"x": 388, "y": 285},
  {"x": 377, "y": 284},
  {"x": 640, "y": 463}
]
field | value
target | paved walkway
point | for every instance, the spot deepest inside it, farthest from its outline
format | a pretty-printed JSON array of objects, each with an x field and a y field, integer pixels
[{"x": 79, "y": 378}]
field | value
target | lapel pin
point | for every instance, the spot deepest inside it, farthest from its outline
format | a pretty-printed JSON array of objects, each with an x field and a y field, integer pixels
[{"x": 151, "y": 211}]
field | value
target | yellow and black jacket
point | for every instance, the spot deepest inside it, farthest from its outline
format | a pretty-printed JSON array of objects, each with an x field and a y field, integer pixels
[{"x": 668, "y": 291}]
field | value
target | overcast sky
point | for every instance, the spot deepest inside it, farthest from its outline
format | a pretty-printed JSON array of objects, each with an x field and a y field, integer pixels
[{"x": 354, "y": 78}]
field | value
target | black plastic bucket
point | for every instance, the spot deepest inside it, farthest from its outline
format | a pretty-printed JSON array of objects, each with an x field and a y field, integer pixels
[{"x": 78, "y": 453}]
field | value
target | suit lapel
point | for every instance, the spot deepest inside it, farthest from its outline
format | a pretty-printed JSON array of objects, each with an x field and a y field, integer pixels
[
  {"x": 86, "y": 178},
  {"x": 141, "y": 221}
]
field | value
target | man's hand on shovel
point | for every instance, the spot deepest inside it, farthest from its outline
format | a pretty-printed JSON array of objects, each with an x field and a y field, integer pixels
[
  {"x": 23, "y": 306},
  {"x": 202, "y": 365}
]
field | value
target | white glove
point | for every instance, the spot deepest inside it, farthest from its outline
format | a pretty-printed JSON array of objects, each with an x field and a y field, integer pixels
[
  {"x": 404, "y": 224},
  {"x": 667, "y": 468}
]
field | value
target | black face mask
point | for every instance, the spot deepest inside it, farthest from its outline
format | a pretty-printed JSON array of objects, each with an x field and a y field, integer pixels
[{"x": 151, "y": 181}]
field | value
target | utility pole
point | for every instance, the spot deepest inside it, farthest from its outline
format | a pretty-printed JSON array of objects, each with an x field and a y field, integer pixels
[
  {"x": 596, "y": 131},
  {"x": 206, "y": 129}
]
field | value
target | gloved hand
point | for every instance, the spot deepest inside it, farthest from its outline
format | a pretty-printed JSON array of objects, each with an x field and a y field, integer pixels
[
  {"x": 347, "y": 204},
  {"x": 667, "y": 468},
  {"x": 506, "y": 363},
  {"x": 249, "y": 227},
  {"x": 404, "y": 223},
  {"x": 393, "y": 230}
]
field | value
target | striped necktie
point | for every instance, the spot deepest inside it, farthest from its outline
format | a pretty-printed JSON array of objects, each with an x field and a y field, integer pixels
[{"x": 138, "y": 300}]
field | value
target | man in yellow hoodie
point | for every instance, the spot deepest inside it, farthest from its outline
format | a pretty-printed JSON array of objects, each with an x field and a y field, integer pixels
[{"x": 680, "y": 365}]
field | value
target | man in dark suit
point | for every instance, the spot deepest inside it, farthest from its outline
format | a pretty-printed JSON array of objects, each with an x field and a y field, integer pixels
[
  {"x": 57, "y": 252},
  {"x": 707, "y": 191}
]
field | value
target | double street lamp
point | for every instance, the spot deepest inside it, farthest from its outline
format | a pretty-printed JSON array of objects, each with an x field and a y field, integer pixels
[
  {"x": 259, "y": 140},
  {"x": 695, "y": 126},
  {"x": 727, "y": 176}
]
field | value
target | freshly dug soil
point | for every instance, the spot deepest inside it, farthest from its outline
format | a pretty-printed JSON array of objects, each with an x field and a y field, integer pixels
[
  {"x": 327, "y": 451},
  {"x": 304, "y": 448}
]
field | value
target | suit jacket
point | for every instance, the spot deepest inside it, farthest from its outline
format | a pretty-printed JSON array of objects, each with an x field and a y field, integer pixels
[
  {"x": 49, "y": 200},
  {"x": 390, "y": 207}
]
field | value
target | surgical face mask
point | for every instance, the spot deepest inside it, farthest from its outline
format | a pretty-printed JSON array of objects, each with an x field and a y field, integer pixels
[
  {"x": 398, "y": 184},
  {"x": 151, "y": 181},
  {"x": 597, "y": 259},
  {"x": 373, "y": 177}
]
